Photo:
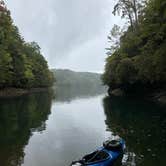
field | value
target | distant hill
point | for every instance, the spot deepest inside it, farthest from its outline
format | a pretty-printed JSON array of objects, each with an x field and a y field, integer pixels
[
  {"x": 69, "y": 77},
  {"x": 70, "y": 84}
]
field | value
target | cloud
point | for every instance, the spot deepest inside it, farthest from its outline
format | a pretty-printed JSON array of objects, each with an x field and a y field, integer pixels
[{"x": 67, "y": 30}]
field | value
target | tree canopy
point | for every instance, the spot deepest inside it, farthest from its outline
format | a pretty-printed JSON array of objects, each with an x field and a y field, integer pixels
[
  {"x": 139, "y": 60},
  {"x": 21, "y": 64}
]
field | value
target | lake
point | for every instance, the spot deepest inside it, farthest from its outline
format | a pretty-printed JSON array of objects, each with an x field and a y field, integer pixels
[{"x": 52, "y": 130}]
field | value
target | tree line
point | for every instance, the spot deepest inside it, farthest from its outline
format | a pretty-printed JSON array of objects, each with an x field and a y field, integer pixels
[
  {"x": 136, "y": 57},
  {"x": 21, "y": 64},
  {"x": 65, "y": 77}
]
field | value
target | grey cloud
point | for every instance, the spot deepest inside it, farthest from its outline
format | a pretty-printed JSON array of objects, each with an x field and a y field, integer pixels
[{"x": 66, "y": 30}]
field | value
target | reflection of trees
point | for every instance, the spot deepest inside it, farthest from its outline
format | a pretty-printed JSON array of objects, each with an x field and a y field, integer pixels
[
  {"x": 71, "y": 92},
  {"x": 18, "y": 118},
  {"x": 141, "y": 124}
]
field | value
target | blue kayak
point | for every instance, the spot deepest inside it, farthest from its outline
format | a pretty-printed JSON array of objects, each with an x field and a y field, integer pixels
[{"x": 103, "y": 156}]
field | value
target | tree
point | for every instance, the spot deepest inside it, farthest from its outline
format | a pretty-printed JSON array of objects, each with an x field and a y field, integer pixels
[
  {"x": 129, "y": 9},
  {"x": 138, "y": 63},
  {"x": 114, "y": 39},
  {"x": 5, "y": 69},
  {"x": 21, "y": 64}
]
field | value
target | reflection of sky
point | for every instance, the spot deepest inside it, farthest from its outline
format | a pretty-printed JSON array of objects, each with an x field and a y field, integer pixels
[
  {"x": 73, "y": 129},
  {"x": 69, "y": 93}
]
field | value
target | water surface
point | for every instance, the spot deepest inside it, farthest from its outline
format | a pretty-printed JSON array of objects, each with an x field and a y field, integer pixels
[{"x": 39, "y": 130}]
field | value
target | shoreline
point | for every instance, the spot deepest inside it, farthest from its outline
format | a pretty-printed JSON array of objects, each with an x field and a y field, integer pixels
[
  {"x": 16, "y": 92},
  {"x": 158, "y": 96}
]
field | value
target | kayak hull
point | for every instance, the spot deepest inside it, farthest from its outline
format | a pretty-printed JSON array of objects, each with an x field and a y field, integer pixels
[{"x": 112, "y": 156}]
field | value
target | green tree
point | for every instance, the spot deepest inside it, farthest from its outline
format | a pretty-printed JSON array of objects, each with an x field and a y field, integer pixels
[
  {"x": 114, "y": 39},
  {"x": 129, "y": 9},
  {"x": 139, "y": 61},
  {"x": 5, "y": 69},
  {"x": 21, "y": 64}
]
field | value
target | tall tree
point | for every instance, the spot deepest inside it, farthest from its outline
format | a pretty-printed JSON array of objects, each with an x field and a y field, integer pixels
[
  {"x": 114, "y": 39},
  {"x": 129, "y": 9}
]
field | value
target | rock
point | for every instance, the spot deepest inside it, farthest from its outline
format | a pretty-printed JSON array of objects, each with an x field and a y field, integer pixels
[{"x": 117, "y": 92}]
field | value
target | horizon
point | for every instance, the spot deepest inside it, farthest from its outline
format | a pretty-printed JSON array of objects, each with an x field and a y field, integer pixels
[{"x": 95, "y": 72}]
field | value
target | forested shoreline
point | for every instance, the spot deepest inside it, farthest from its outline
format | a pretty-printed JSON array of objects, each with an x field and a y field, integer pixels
[
  {"x": 22, "y": 66},
  {"x": 136, "y": 62}
]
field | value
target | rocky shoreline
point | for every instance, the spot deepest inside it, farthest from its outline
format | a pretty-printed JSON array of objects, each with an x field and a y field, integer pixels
[{"x": 158, "y": 96}]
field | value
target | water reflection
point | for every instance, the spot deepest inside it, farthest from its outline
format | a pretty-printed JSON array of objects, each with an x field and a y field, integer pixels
[
  {"x": 71, "y": 92},
  {"x": 143, "y": 126},
  {"x": 78, "y": 127},
  {"x": 18, "y": 118}
]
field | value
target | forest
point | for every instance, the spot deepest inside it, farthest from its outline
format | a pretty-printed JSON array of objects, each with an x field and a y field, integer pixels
[
  {"x": 137, "y": 54},
  {"x": 21, "y": 64},
  {"x": 66, "y": 77}
]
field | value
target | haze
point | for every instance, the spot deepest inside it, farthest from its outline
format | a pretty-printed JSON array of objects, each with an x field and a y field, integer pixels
[{"x": 71, "y": 33}]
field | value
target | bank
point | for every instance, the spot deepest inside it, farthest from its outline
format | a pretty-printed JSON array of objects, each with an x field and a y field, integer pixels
[
  {"x": 16, "y": 92},
  {"x": 155, "y": 96}
]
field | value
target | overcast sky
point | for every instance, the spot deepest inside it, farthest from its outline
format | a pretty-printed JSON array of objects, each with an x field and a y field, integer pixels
[{"x": 71, "y": 33}]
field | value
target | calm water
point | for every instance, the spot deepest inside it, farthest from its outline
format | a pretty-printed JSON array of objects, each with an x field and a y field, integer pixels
[{"x": 38, "y": 130}]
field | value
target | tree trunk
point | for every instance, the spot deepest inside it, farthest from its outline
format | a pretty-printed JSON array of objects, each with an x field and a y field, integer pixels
[
  {"x": 131, "y": 21},
  {"x": 135, "y": 12}
]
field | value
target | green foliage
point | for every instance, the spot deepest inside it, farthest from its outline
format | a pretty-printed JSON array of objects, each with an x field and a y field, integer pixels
[
  {"x": 140, "y": 59},
  {"x": 5, "y": 68},
  {"x": 113, "y": 39},
  {"x": 71, "y": 84},
  {"x": 66, "y": 77},
  {"x": 130, "y": 10},
  {"x": 21, "y": 64}
]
